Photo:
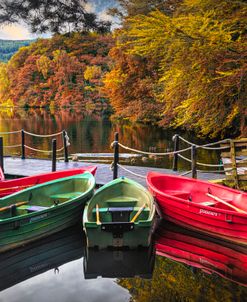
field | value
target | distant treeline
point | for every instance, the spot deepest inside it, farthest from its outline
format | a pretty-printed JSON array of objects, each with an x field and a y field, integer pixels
[{"x": 10, "y": 47}]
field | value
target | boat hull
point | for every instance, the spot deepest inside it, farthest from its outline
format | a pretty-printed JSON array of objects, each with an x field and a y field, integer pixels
[
  {"x": 220, "y": 222},
  {"x": 124, "y": 194},
  {"x": 17, "y": 231}
]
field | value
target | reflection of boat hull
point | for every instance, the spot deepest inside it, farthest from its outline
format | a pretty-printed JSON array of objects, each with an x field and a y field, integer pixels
[
  {"x": 36, "y": 258},
  {"x": 110, "y": 263},
  {"x": 208, "y": 254},
  {"x": 191, "y": 203},
  {"x": 14, "y": 185},
  {"x": 49, "y": 208}
]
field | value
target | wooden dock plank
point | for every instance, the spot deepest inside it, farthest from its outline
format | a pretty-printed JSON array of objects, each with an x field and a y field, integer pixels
[{"x": 26, "y": 167}]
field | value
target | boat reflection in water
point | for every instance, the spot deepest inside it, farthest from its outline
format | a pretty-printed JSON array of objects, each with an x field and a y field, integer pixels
[
  {"x": 33, "y": 259},
  {"x": 110, "y": 263},
  {"x": 209, "y": 254}
]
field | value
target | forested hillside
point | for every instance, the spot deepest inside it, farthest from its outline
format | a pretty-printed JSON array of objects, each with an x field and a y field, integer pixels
[
  {"x": 63, "y": 71},
  {"x": 178, "y": 63},
  {"x": 10, "y": 47}
]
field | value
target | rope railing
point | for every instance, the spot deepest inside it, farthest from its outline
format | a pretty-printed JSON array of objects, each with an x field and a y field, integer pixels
[
  {"x": 32, "y": 134},
  {"x": 43, "y": 135},
  {"x": 43, "y": 151},
  {"x": 207, "y": 146},
  {"x": 53, "y": 152},
  {"x": 199, "y": 163},
  {"x": 176, "y": 154},
  {"x": 10, "y": 132},
  {"x": 151, "y": 153}
]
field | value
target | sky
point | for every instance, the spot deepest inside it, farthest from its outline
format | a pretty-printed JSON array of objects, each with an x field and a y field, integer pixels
[{"x": 21, "y": 32}]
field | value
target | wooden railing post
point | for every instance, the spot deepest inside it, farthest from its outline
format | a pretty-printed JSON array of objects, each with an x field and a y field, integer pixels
[
  {"x": 54, "y": 154},
  {"x": 23, "y": 144},
  {"x": 116, "y": 156},
  {"x": 175, "y": 156},
  {"x": 1, "y": 153},
  {"x": 193, "y": 161},
  {"x": 66, "y": 158}
]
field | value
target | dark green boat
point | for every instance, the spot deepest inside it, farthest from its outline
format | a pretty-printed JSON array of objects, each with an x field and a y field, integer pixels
[
  {"x": 120, "y": 214},
  {"x": 43, "y": 209}
]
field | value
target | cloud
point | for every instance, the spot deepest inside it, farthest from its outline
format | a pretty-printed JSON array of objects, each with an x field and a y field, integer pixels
[
  {"x": 90, "y": 7},
  {"x": 14, "y": 32},
  {"x": 105, "y": 17}
]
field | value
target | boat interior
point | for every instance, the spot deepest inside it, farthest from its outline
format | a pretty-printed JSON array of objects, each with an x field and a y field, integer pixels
[
  {"x": 202, "y": 193},
  {"x": 120, "y": 204},
  {"x": 43, "y": 197}
]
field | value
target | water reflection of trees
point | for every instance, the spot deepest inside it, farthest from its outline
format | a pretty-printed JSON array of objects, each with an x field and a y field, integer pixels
[
  {"x": 177, "y": 282},
  {"x": 91, "y": 133}
]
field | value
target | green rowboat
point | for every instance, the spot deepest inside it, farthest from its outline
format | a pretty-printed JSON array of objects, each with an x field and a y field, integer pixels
[
  {"x": 120, "y": 214},
  {"x": 43, "y": 209}
]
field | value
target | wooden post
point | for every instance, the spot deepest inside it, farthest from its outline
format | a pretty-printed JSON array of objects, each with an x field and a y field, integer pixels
[
  {"x": 23, "y": 144},
  {"x": 116, "y": 156},
  {"x": 66, "y": 158},
  {"x": 1, "y": 153},
  {"x": 54, "y": 154},
  {"x": 175, "y": 156},
  {"x": 193, "y": 161}
]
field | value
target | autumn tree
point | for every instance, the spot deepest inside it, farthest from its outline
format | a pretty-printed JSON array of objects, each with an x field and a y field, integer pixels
[{"x": 201, "y": 55}]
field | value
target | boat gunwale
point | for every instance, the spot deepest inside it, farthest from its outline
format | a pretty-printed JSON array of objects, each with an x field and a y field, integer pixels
[
  {"x": 54, "y": 208},
  {"x": 187, "y": 202}
]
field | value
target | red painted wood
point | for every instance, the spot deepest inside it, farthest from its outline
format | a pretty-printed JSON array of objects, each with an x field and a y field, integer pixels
[
  {"x": 2, "y": 177},
  {"x": 14, "y": 185},
  {"x": 182, "y": 200}
]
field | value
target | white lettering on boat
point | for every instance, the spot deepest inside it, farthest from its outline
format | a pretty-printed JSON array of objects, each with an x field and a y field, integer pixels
[
  {"x": 202, "y": 211},
  {"x": 35, "y": 268},
  {"x": 38, "y": 217}
]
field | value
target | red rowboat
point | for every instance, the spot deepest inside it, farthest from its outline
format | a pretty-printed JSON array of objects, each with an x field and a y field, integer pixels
[
  {"x": 201, "y": 205},
  {"x": 212, "y": 256},
  {"x": 14, "y": 185}
]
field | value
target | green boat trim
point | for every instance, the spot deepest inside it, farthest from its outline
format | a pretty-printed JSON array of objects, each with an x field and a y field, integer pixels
[
  {"x": 47, "y": 208},
  {"x": 120, "y": 214}
]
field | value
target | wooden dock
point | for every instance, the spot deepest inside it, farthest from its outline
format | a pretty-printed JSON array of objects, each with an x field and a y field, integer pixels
[{"x": 26, "y": 167}]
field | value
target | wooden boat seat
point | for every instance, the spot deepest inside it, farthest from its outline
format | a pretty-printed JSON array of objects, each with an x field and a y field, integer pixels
[
  {"x": 123, "y": 214},
  {"x": 180, "y": 194},
  {"x": 66, "y": 196},
  {"x": 128, "y": 201}
]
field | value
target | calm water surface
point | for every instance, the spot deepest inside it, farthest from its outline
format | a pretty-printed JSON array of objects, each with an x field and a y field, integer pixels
[
  {"x": 94, "y": 134},
  {"x": 60, "y": 268}
]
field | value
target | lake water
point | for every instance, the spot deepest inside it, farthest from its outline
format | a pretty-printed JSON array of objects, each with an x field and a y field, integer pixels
[
  {"x": 94, "y": 134},
  {"x": 61, "y": 268}
]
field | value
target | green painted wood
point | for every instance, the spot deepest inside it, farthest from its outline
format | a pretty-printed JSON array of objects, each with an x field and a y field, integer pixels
[
  {"x": 121, "y": 192},
  {"x": 18, "y": 226}
]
